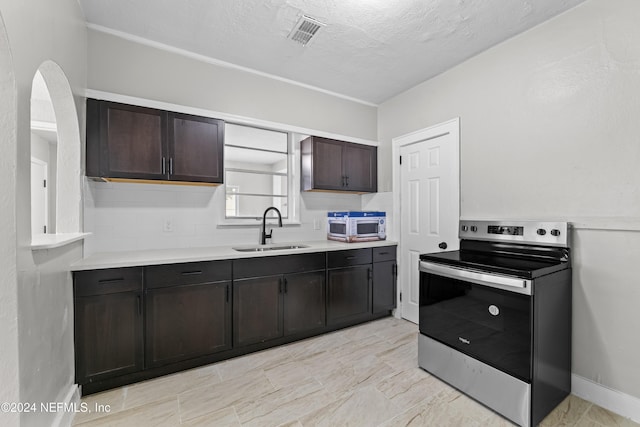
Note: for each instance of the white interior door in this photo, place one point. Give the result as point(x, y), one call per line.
point(39, 197)
point(429, 203)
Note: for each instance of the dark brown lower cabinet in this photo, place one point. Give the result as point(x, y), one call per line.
point(385, 272)
point(108, 335)
point(384, 286)
point(184, 315)
point(266, 308)
point(257, 309)
point(349, 295)
point(304, 302)
point(187, 321)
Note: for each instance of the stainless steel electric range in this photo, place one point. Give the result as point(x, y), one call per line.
point(495, 316)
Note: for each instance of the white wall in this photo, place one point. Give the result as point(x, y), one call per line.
point(40, 148)
point(10, 390)
point(37, 357)
point(124, 67)
point(549, 125)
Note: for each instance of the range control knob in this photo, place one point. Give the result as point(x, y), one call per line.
point(555, 232)
point(465, 228)
point(541, 231)
point(474, 228)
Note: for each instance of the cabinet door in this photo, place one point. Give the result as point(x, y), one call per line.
point(384, 286)
point(327, 164)
point(131, 141)
point(349, 297)
point(304, 302)
point(183, 322)
point(108, 335)
point(360, 167)
point(196, 147)
point(257, 310)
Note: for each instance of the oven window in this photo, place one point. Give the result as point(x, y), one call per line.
point(337, 228)
point(491, 325)
point(367, 228)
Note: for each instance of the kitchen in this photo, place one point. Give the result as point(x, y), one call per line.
point(548, 130)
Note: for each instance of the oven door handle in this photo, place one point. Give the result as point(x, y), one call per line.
point(522, 286)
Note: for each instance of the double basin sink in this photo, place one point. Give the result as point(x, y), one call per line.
point(265, 248)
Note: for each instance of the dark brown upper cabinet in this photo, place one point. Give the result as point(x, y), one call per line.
point(126, 142)
point(332, 165)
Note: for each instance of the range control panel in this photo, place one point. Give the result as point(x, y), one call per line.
point(530, 232)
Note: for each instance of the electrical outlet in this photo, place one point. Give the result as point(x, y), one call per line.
point(316, 224)
point(167, 226)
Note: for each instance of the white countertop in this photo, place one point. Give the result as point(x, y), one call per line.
point(171, 256)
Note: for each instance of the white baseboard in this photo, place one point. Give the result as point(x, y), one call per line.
point(615, 401)
point(71, 400)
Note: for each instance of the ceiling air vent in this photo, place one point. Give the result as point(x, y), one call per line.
point(305, 29)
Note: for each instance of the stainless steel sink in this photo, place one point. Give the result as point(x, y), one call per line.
point(264, 248)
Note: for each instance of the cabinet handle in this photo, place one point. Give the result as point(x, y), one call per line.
point(286, 285)
point(164, 165)
point(395, 270)
point(350, 257)
point(227, 293)
point(139, 305)
point(191, 273)
point(344, 181)
point(170, 165)
point(347, 180)
point(383, 253)
point(105, 281)
point(369, 274)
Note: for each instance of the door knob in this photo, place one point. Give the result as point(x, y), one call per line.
point(442, 245)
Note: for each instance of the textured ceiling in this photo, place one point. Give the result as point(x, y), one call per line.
point(369, 50)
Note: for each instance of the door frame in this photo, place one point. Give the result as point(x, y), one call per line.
point(451, 127)
point(46, 212)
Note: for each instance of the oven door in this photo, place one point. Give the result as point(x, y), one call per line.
point(484, 316)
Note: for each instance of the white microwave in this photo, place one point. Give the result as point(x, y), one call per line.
point(356, 226)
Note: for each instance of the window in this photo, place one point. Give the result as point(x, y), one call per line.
point(231, 201)
point(257, 172)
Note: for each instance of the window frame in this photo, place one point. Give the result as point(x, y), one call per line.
point(293, 180)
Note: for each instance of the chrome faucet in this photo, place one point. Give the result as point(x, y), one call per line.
point(264, 235)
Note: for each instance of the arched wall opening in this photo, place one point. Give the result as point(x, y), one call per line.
point(44, 158)
point(68, 172)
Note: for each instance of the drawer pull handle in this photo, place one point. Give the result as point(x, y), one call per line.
point(383, 253)
point(350, 257)
point(105, 281)
point(191, 273)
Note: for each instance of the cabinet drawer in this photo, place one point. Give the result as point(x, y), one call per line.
point(188, 273)
point(386, 253)
point(107, 281)
point(337, 259)
point(272, 265)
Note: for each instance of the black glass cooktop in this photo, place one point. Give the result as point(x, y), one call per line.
point(519, 261)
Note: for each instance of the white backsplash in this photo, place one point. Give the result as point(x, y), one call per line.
point(125, 216)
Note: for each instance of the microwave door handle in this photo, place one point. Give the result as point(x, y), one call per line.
point(513, 284)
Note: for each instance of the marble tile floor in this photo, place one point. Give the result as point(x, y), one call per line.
point(365, 375)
